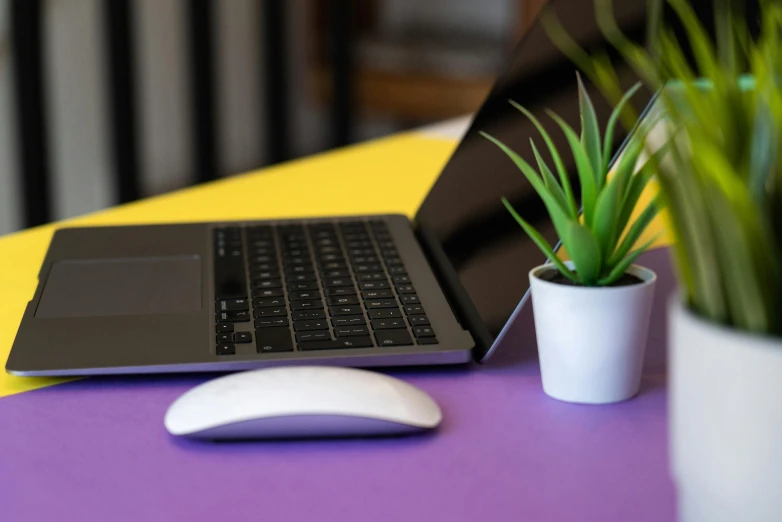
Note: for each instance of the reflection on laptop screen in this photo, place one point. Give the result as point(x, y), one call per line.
point(488, 250)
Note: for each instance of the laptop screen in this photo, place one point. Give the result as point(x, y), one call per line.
point(463, 212)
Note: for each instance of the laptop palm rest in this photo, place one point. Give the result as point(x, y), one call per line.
point(122, 287)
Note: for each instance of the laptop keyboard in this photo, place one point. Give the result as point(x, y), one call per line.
point(316, 286)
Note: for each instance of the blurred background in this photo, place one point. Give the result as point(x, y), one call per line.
point(107, 101)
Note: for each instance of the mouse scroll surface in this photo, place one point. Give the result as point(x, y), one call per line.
point(302, 401)
point(122, 286)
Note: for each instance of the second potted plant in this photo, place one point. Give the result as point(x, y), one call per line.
point(592, 312)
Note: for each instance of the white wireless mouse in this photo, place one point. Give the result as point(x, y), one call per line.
point(301, 401)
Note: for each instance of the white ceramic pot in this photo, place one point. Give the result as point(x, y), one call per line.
point(591, 340)
point(726, 421)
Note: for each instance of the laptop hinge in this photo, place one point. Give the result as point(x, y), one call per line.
point(460, 302)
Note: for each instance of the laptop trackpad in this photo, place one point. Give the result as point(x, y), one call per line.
point(124, 286)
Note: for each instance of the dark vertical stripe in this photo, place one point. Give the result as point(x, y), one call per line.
point(275, 78)
point(29, 87)
point(118, 23)
point(342, 27)
point(202, 88)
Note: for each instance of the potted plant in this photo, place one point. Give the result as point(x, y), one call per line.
point(723, 187)
point(592, 312)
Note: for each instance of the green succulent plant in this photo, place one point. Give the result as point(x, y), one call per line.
point(601, 237)
point(723, 187)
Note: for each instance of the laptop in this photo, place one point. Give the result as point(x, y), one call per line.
point(381, 290)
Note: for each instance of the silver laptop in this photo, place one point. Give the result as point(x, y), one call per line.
point(380, 290)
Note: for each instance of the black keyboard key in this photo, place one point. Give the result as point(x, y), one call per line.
point(261, 243)
point(344, 342)
point(243, 337)
point(294, 287)
point(265, 274)
point(314, 335)
point(358, 244)
point(328, 258)
point(393, 338)
point(312, 304)
point(262, 267)
point(377, 294)
point(232, 305)
point(226, 349)
point(333, 265)
point(372, 277)
point(301, 278)
point(267, 283)
point(384, 313)
point(397, 270)
point(410, 299)
point(233, 317)
point(351, 331)
point(315, 324)
point(327, 250)
point(224, 327)
point(374, 285)
point(267, 292)
point(367, 268)
point(271, 322)
point(393, 261)
point(355, 320)
point(414, 309)
point(225, 338)
point(405, 289)
point(268, 301)
point(308, 314)
point(262, 259)
point(423, 331)
point(341, 290)
point(296, 252)
point(262, 251)
point(271, 311)
point(345, 310)
point(338, 300)
point(272, 340)
point(418, 320)
point(365, 260)
point(306, 294)
point(428, 340)
point(389, 253)
point(292, 270)
point(340, 281)
point(296, 260)
point(336, 273)
point(380, 303)
point(229, 277)
point(358, 252)
point(385, 324)
point(400, 279)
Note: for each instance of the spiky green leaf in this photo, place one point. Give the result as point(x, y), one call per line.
point(586, 175)
point(556, 158)
point(559, 216)
point(590, 134)
point(584, 251)
point(541, 242)
point(625, 263)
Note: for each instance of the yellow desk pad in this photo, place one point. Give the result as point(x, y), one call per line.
point(390, 175)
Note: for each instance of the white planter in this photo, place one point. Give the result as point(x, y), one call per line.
point(591, 340)
point(726, 421)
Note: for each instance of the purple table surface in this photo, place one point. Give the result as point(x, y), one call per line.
point(96, 450)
